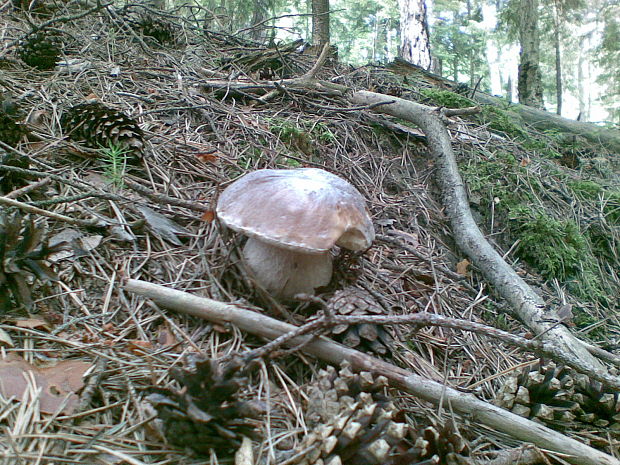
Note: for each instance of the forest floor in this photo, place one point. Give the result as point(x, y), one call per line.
point(551, 206)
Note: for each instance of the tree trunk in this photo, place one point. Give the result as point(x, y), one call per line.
point(558, 58)
point(320, 22)
point(258, 33)
point(509, 89)
point(415, 40)
point(581, 81)
point(530, 80)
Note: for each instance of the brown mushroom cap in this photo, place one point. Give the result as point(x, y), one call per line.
point(305, 209)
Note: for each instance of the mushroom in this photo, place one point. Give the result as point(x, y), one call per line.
point(292, 219)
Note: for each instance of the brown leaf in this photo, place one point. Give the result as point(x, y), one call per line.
point(462, 267)
point(139, 347)
point(165, 337)
point(525, 161)
point(424, 278)
point(208, 216)
point(32, 323)
point(58, 383)
point(207, 157)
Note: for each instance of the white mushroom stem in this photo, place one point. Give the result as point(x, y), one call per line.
point(284, 272)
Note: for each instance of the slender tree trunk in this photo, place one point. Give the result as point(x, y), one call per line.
point(455, 66)
point(581, 80)
point(320, 22)
point(415, 38)
point(509, 89)
point(472, 70)
point(260, 14)
point(558, 57)
point(530, 80)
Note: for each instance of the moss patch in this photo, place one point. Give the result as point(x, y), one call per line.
point(554, 247)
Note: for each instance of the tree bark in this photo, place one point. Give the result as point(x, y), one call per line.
point(530, 79)
point(320, 22)
point(415, 39)
point(558, 57)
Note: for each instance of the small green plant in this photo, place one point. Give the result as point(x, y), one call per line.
point(115, 159)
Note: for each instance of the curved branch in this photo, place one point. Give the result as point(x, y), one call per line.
point(527, 305)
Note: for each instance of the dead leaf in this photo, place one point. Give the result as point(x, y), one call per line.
point(165, 337)
point(32, 323)
point(5, 339)
point(208, 216)
point(385, 222)
point(565, 312)
point(524, 162)
point(207, 157)
point(75, 245)
point(109, 327)
point(462, 267)
point(424, 278)
point(163, 226)
point(139, 347)
point(407, 237)
point(58, 383)
point(38, 119)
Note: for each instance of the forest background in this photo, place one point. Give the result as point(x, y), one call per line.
point(474, 42)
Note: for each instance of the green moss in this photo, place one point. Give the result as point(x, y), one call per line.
point(445, 98)
point(585, 189)
point(554, 247)
point(497, 179)
point(500, 121)
point(287, 131)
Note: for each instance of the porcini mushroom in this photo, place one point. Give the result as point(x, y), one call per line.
point(292, 219)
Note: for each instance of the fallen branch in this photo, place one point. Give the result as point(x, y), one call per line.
point(325, 349)
point(55, 216)
point(527, 305)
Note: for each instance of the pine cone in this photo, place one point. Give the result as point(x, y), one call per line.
point(355, 423)
point(101, 126)
point(542, 392)
point(10, 132)
point(160, 30)
point(10, 181)
point(563, 400)
point(207, 413)
point(598, 405)
point(23, 249)
point(41, 49)
point(438, 445)
point(354, 301)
